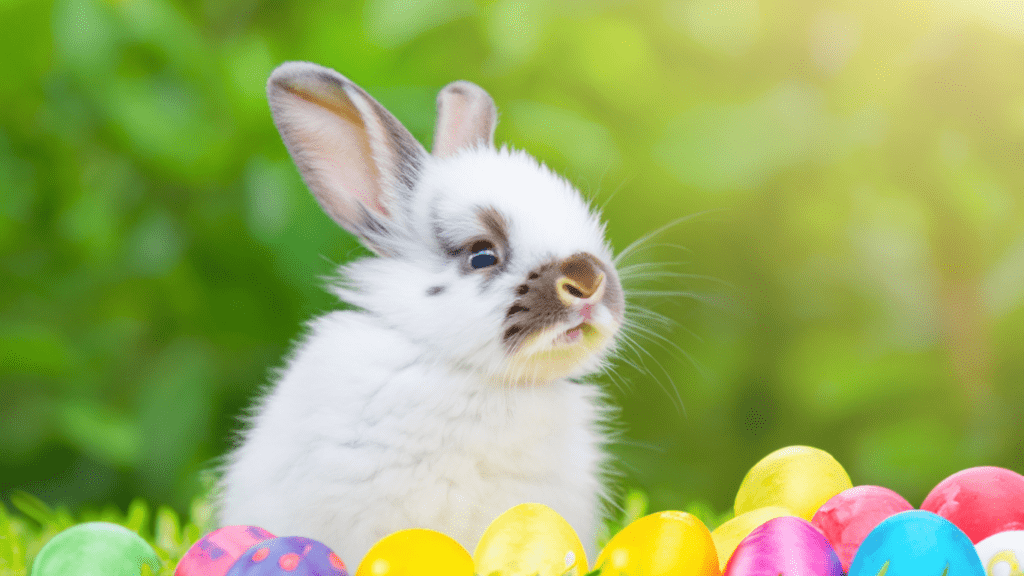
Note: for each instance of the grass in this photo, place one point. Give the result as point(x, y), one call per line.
point(32, 523)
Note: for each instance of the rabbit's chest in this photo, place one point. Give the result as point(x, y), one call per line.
point(460, 463)
point(494, 436)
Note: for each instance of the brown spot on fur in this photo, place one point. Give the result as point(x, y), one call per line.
point(539, 295)
point(540, 299)
point(497, 228)
point(495, 235)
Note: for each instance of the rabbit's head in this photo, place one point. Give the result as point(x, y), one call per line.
point(487, 259)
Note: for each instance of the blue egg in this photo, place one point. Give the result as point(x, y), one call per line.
point(916, 542)
point(288, 556)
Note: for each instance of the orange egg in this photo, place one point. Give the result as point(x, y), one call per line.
point(661, 544)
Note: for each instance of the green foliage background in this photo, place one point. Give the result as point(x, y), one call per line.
point(852, 279)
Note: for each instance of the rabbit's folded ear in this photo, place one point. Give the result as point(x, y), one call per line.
point(356, 158)
point(465, 117)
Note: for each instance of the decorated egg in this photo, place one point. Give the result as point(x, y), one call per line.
point(799, 478)
point(848, 517)
point(1002, 554)
point(416, 552)
point(916, 542)
point(729, 534)
point(980, 501)
point(785, 545)
point(213, 554)
point(95, 549)
point(291, 556)
point(660, 544)
point(530, 540)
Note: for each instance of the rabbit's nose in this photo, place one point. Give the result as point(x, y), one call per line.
point(581, 278)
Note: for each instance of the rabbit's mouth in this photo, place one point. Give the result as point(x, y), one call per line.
point(578, 340)
point(557, 351)
point(573, 335)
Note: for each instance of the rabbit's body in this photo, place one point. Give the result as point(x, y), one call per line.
point(351, 445)
point(452, 393)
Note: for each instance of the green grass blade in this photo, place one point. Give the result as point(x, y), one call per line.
point(33, 508)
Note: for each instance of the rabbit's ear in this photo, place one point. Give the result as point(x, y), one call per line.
point(356, 158)
point(465, 117)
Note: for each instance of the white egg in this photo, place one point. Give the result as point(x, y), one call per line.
point(1002, 554)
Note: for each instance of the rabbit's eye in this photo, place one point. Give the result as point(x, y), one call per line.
point(482, 255)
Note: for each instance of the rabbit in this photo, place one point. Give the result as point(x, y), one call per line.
point(453, 389)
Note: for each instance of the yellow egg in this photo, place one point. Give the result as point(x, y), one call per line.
point(728, 535)
point(530, 540)
point(661, 544)
point(799, 478)
point(416, 552)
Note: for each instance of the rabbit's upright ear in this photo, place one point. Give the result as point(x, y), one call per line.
point(465, 117)
point(356, 158)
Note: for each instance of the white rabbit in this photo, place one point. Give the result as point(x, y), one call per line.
point(451, 394)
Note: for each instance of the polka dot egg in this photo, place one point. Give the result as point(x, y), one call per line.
point(289, 556)
point(214, 553)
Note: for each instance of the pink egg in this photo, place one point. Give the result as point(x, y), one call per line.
point(848, 517)
point(786, 545)
point(213, 554)
point(980, 501)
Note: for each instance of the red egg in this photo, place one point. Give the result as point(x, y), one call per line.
point(980, 501)
point(848, 517)
point(213, 554)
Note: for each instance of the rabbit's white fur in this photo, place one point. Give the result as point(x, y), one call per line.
point(409, 411)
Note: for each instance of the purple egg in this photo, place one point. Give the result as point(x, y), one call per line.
point(787, 546)
point(213, 554)
point(289, 556)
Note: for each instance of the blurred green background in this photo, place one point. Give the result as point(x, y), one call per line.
point(852, 278)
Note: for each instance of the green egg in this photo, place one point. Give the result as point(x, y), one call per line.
point(95, 549)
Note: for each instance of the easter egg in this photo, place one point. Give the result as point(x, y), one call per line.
point(1002, 554)
point(288, 556)
point(530, 540)
point(661, 544)
point(213, 554)
point(785, 545)
point(799, 478)
point(848, 517)
point(95, 549)
point(916, 542)
point(729, 534)
point(980, 501)
point(416, 552)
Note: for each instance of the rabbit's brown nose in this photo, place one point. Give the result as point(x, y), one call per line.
point(581, 277)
